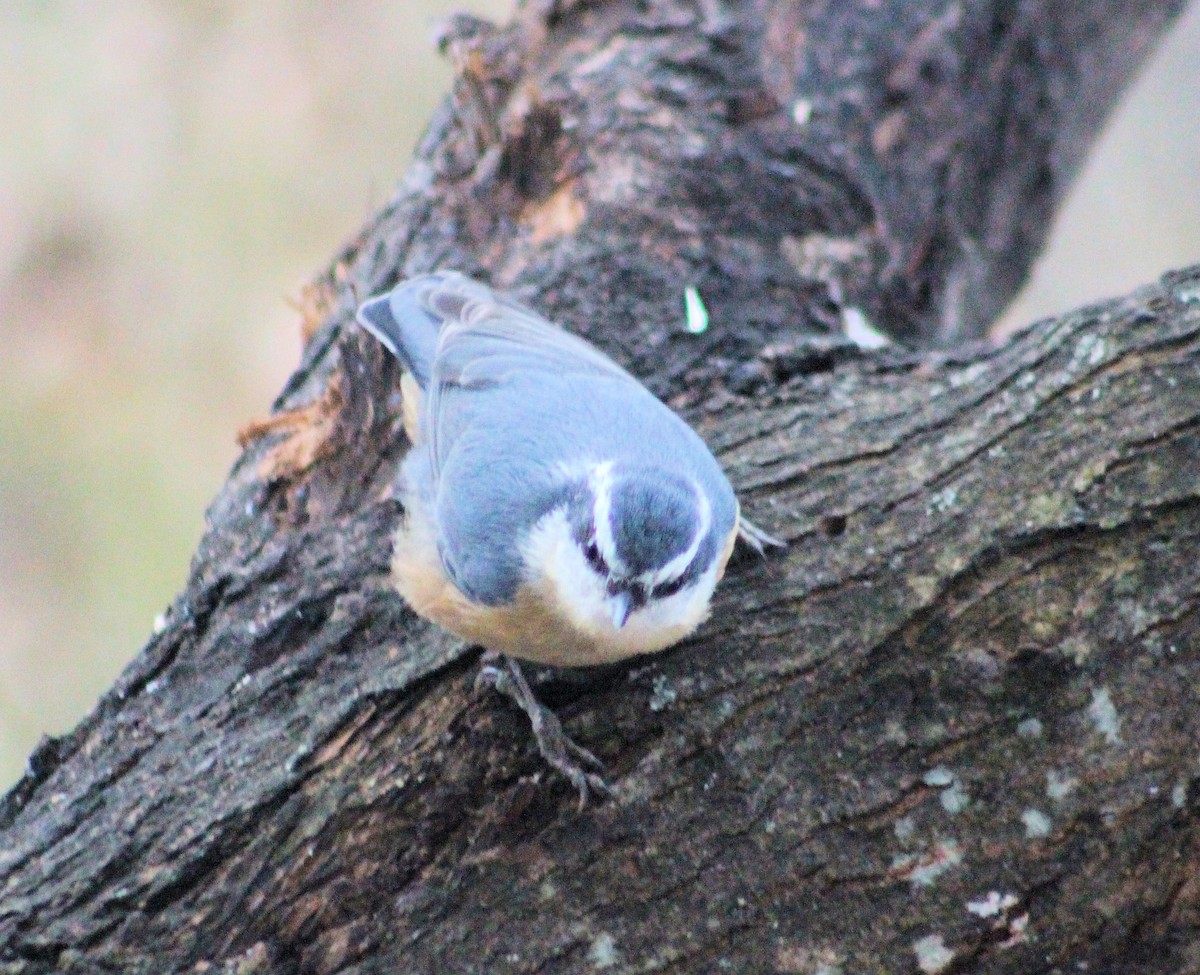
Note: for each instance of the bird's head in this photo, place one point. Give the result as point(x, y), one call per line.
point(632, 555)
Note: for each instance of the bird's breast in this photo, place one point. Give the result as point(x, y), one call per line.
point(530, 627)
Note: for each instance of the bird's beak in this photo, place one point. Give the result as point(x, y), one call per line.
point(621, 604)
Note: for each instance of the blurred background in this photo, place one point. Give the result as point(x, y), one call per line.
point(171, 173)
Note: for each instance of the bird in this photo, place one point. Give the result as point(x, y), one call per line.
point(554, 510)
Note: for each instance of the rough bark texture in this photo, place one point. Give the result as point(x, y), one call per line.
point(952, 728)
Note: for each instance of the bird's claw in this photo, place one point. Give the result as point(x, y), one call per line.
point(556, 746)
point(757, 538)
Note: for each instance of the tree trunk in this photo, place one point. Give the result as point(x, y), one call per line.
point(953, 728)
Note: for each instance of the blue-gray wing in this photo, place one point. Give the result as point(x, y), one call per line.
point(486, 340)
point(471, 333)
point(486, 335)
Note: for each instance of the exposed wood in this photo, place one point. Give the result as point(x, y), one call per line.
point(953, 728)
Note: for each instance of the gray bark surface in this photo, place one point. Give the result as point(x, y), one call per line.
point(953, 728)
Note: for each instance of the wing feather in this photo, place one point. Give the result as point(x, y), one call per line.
point(485, 335)
point(486, 338)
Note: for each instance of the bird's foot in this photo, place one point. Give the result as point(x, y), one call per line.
point(756, 537)
point(561, 753)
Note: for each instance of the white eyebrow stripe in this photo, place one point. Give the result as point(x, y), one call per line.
point(601, 478)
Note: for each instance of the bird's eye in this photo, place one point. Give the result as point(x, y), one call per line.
point(591, 552)
point(665, 589)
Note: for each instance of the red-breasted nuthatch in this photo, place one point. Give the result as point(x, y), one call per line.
point(555, 510)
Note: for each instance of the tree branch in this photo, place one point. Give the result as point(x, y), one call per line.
point(952, 728)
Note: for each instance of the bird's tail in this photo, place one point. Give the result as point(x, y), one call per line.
point(406, 324)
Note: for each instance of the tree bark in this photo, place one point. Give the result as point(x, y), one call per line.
point(953, 728)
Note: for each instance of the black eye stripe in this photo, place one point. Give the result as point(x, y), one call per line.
point(664, 589)
point(591, 552)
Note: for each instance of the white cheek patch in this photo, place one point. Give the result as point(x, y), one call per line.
point(557, 567)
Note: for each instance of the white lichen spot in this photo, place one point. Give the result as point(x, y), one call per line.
point(1179, 794)
point(160, 623)
point(802, 109)
point(1059, 785)
point(547, 891)
point(938, 777)
point(993, 904)
point(925, 868)
point(1103, 713)
point(904, 828)
point(969, 376)
point(1017, 929)
point(603, 952)
point(695, 314)
point(1187, 292)
point(1037, 824)
point(664, 694)
point(955, 799)
point(1099, 350)
point(1091, 349)
point(860, 331)
point(1030, 728)
point(932, 954)
point(942, 500)
point(924, 587)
